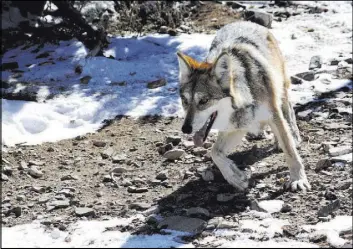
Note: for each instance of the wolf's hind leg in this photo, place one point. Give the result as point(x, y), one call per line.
point(280, 128)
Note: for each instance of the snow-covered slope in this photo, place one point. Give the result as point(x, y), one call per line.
point(118, 86)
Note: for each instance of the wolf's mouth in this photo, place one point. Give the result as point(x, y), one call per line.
point(201, 135)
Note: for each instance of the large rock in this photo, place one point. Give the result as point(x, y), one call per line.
point(258, 17)
point(183, 224)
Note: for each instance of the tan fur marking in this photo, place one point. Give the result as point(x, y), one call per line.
point(277, 58)
point(194, 64)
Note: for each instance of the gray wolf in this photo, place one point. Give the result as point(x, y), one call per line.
point(240, 87)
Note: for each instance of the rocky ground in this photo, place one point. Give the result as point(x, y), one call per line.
point(147, 166)
point(124, 169)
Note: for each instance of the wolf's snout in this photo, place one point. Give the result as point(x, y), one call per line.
point(187, 129)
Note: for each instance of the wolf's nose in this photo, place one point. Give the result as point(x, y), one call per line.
point(186, 129)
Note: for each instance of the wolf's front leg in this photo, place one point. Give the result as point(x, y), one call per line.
point(224, 145)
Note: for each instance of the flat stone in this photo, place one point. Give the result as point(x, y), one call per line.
point(80, 212)
point(337, 126)
point(36, 163)
point(38, 189)
point(119, 170)
point(304, 115)
point(34, 172)
point(85, 79)
point(174, 154)
point(58, 204)
point(99, 143)
point(151, 210)
point(132, 189)
point(139, 206)
point(188, 144)
point(44, 199)
point(339, 151)
point(271, 206)
point(69, 177)
point(183, 224)
point(343, 158)
point(156, 83)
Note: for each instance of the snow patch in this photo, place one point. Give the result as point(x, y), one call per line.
point(85, 234)
point(332, 229)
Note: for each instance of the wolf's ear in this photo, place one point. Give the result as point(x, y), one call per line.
point(184, 67)
point(221, 66)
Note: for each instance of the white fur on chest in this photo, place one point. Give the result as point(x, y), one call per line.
point(262, 115)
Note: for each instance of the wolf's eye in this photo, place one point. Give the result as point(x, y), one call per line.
point(203, 101)
point(184, 100)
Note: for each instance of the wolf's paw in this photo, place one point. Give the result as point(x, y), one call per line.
point(294, 185)
point(236, 182)
point(236, 177)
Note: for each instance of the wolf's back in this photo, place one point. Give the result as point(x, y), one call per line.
point(239, 32)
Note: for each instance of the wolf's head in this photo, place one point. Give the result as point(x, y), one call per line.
point(204, 91)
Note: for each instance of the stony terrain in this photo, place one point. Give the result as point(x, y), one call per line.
point(120, 171)
point(147, 166)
